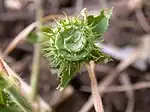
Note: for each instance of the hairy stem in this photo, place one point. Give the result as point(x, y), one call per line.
point(1, 98)
point(18, 99)
point(8, 86)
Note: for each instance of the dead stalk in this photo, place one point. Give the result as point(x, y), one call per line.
point(94, 86)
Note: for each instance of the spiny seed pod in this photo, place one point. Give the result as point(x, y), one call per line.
point(72, 43)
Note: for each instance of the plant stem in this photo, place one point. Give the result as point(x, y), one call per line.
point(1, 98)
point(24, 88)
point(36, 55)
point(8, 86)
point(79, 5)
point(35, 71)
point(18, 99)
point(94, 87)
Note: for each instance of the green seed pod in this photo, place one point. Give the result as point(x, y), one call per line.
point(72, 43)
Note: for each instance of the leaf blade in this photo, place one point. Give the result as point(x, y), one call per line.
point(100, 23)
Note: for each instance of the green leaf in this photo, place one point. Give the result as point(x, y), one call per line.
point(46, 29)
point(67, 74)
point(64, 80)
point(32, 38)
point(100, 23)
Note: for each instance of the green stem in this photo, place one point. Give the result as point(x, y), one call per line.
point(35, 71)
point(36, 56)
point(8, 85)
point(1, 98)
point(18, 99)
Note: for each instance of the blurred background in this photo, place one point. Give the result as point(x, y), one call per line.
point(128, 33)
